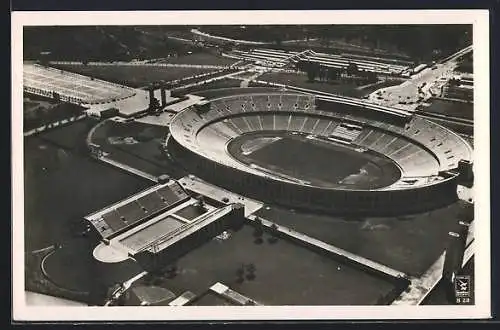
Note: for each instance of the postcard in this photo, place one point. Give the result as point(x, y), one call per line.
point(250, 165)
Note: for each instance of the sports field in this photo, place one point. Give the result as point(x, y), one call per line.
point(135, 76)
point(320, 163)
point(137, 145)
point(285, 273)
point(73, 267)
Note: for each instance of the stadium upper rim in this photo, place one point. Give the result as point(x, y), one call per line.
point(426, 153)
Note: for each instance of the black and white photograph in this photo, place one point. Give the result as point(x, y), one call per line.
point(250, 165)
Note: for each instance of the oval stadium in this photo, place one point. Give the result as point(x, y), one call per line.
point(342, 155)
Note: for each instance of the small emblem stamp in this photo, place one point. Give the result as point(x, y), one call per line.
point(463, 289)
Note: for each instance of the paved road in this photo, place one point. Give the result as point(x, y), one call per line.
point(427, 80)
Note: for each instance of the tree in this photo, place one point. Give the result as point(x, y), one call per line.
point(240, 274)
point(352, 68)
point(171, 271)
point(155, 104)
point(371, 76)
point(312, 71)
point(251, 272)
point(200, 204)
point(454, 82)
point(259, 231)
point(251, 268)
point(274, 232)
point(333, 74)
point(302, 65)
point(56, 96)
point(322, 73)
point(259, 240)
point(240, 271)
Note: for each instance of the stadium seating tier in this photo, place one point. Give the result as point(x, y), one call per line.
point(421, 149)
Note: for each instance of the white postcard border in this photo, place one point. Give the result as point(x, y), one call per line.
point(480, 21)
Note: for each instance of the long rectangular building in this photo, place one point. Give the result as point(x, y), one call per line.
point(71, 87)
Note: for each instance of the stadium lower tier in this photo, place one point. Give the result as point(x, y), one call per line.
point(343, 158)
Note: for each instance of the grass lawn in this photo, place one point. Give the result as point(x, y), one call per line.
point(134, 76)
point(300, 80)
point(61, 185)
point(73, 267)
point(285, 273)
point(409, 244)
point(451, 108)
point(145, 155)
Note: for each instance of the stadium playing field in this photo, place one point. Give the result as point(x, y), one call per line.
point(318, 162)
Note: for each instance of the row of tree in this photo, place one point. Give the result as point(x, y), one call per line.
point(259, 232)
point(100, 43)
point(330, 74)
point(419, 42)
